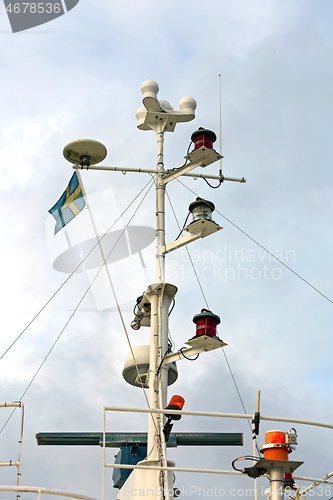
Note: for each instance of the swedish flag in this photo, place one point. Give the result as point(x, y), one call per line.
point(70, 203)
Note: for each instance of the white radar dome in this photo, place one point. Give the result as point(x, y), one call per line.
point(141, 354)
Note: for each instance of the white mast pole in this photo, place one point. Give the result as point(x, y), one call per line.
point(159, 116)
point(277, 483)
point(159, 315)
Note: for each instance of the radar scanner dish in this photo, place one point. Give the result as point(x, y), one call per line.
point(85, 152)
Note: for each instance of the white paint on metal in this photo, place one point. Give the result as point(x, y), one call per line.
point(217, 414)
point(196, 230)
point(124, 170)
point(47, 491)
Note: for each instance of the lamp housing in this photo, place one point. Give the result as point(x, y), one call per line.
point(203, 137)
point(206, 323)
point(176, 403)
point(201, 209)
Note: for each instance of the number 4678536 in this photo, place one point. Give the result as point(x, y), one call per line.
point(33, 8)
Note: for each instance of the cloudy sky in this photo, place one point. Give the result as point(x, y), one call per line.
point(79, 76)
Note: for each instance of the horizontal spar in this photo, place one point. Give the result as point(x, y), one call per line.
point(175, 469)
point(124, 170)
point(120, 439)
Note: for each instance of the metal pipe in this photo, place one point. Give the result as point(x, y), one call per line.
point(315, 483)
point(217, 414)
point(103, 480)
point(161, 303)
point(152, 420)
point(159, 320)
point(206, 471)
point(11, 405)
point(174, 469)
point(179, 355)
point(254, 441)
point(18, 482)
point(124, 170)
point(313, 480)
point(277, 483)
point(48, 491)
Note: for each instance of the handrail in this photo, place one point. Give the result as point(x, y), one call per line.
point(47, 491)
point(198, 414)
point(207, 471)
point(10, 463)
point(217, 414)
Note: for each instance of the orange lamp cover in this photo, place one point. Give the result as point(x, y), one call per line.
point(177, 401)
point(275, 446)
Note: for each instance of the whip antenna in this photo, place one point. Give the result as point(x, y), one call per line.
point(220, 106)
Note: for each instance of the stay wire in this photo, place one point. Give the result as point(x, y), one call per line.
point(73, 272)
point(118, 306)
point(116, 299)
point(265, 249)
point(75, 310)
point(48, 354)
point(203, 294)
point(188, 252)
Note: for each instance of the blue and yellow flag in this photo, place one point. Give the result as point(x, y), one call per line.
point(70, 203)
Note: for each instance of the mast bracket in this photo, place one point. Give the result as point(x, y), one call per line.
point(199, 344)
point(198, 229)
point(200, 157)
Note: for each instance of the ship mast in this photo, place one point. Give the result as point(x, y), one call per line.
point(160, 117)
point(155, 472)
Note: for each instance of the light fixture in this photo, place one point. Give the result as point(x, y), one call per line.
point(276, 446)
point(201, 209)
point(206, 323)
point(203, 137)
point(176, 403)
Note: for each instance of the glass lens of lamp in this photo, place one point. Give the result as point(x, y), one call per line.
point(202, 212)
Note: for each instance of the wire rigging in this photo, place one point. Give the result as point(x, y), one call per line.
point(188, 252)
point(76, 308)
point(204, 297)
point(265, 249)
point(73, 272)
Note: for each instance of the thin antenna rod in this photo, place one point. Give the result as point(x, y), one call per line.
point(220, 106)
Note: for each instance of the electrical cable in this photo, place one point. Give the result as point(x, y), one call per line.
point(246, 457)
point(186, 161)
point(265, 249)
point(189, 359)
point(73, 272)
point(179, 235)
point(213, 187)
point(172, 307)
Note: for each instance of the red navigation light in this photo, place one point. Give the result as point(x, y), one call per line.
point(203, 137)
point(206, 323)
point(176, 403)
point(289, 481)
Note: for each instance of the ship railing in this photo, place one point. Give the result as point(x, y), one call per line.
point(48, 491)
point(204, 414)
point(11, 463)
